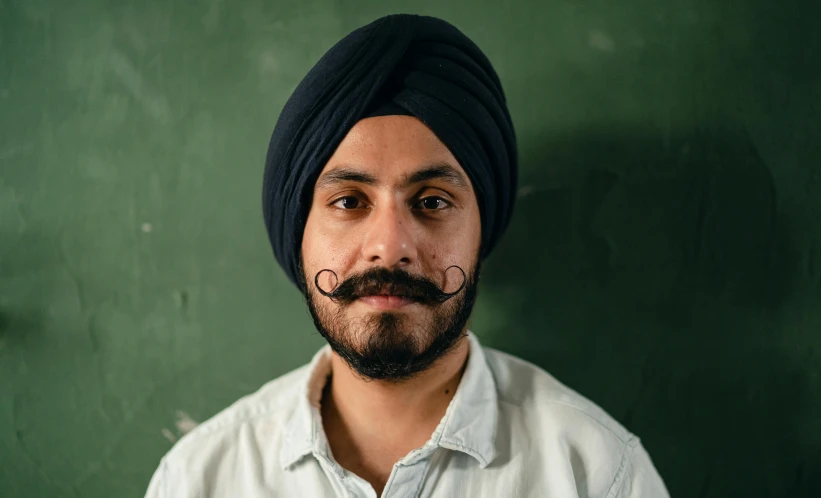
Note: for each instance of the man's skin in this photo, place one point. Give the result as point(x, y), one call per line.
point(423, 228)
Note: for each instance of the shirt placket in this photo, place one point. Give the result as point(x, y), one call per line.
point(406, 479)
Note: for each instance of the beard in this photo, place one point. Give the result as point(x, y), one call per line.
point(392, 345)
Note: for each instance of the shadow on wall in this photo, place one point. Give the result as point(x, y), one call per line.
point(18, 326)
point(649, 272)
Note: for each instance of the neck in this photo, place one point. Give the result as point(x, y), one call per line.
point(371, 424)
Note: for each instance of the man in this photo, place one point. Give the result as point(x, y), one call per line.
point(390, 175)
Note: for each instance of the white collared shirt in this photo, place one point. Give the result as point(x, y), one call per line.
point(511, 431)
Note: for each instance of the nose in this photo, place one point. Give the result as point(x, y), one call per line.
point(389, 239)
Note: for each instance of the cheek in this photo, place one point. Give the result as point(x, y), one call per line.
point(459, 245)
point(466, 237)
point(323, 248)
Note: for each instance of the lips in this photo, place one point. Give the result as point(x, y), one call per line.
point(386, 302)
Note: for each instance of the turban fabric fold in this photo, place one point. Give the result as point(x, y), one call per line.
point(399, 64)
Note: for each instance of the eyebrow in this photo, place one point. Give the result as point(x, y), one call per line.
point(443, 171)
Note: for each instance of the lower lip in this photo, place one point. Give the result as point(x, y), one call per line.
point(386, 302)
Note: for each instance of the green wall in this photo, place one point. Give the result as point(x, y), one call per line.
point(664, 258)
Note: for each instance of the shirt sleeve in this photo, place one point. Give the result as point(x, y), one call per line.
point(641, 479)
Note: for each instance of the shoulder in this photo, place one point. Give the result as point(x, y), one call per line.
point(250, 427)
point(532, 390)
point(268, 404)
point(529, 387)
point(550, 422)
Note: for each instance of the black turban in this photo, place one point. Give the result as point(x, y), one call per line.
point(399, 64)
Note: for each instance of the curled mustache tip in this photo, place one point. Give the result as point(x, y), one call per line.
point(423, 290)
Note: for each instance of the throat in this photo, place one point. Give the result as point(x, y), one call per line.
point(370, 443)
point(371, 425)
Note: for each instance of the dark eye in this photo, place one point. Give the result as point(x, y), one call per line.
point(433, 203)
point(347, 202)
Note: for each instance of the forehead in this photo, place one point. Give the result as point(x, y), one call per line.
point(391, 147)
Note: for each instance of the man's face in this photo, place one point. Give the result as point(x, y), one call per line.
point(395, 220)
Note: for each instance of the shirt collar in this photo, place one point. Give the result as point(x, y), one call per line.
point(468, 426)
